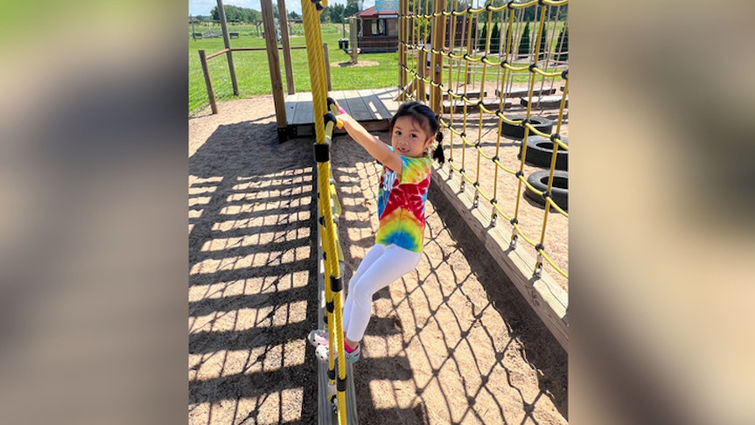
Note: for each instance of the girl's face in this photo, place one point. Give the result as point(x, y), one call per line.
point(409, 138)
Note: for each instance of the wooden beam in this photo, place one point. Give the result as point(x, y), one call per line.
point(548, 300)
point(421, 68)
point(327, 64)
point(403, 6)
point(227, 42)
point(353, 39)
point(207, 81)
point(273, 63)
point(217, 54)
point(256, 49)
point(283, 25)
point(438, 40)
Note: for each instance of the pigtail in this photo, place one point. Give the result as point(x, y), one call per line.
point(438, 154)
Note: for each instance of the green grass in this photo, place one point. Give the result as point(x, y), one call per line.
point(252, 71)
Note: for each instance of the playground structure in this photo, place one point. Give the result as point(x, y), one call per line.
point(328, 212)
point(456, 81)
point(439, 81)
point(271, 47)
point(449, 84)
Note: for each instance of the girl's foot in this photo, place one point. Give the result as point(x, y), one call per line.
point(318, 337)
point(322, 353)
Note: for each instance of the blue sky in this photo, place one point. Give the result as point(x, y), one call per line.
point(203, 7)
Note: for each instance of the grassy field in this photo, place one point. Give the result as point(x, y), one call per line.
point(253, 75)
point(252, 71)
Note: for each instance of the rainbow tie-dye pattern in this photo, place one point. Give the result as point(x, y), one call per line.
point(401, 204)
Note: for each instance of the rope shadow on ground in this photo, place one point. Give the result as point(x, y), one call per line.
point(525, 333)
point(252, 278)
point(540, 348)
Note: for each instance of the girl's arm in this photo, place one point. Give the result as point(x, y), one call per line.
point(372, 144)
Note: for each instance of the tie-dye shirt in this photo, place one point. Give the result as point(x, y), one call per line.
point(401, 204)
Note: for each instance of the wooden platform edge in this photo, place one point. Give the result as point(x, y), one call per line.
point(308, 130)
point(325, 411)
point(544, 295)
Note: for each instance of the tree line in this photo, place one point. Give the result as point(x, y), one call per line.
point(336, 13)
point(525, 41)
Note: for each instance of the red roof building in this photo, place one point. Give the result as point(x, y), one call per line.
point(377, 30)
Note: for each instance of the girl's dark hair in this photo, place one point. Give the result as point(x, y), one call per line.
point(426, 118)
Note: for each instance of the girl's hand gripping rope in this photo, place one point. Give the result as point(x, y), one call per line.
point(334, 107)
point(376, 148)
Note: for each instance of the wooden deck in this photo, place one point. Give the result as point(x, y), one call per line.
point(371, 107)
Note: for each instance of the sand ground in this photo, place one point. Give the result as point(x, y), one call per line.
point(451, 342)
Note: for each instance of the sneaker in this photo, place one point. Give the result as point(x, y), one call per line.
point(318, 337)
point(322, 353)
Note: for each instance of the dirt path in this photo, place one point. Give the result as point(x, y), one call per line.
point(252, 289)
point(451, 342)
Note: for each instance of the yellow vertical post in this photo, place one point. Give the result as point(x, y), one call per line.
point(462, 171)
point(402, 40)
point(520, 174)
point(313, 39)
point(421, 93)
point(438, 38)
point(501, 105)
point(554, 155)
point(452, 99)
point(488, 32)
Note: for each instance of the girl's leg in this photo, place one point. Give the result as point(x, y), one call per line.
point(394, 263)
point(373, 254)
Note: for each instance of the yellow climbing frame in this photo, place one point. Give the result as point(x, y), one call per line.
point(413, 36)
point(327, 200)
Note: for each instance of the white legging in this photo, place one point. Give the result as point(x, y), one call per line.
point(382, 265)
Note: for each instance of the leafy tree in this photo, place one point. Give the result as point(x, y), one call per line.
point(352, 7)
point(504, 41)
point(524, 43)
point(483, 36)
point(530, 13)
point(337, 12)
point(543, 36)
point(293, 15)
point(237, 14)
point(325, 15)
point(495, 39)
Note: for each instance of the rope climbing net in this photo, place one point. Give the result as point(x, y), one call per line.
point(459, 54)
point(329, 208)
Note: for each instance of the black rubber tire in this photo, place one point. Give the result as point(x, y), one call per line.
point(540, 151)
point(559, 191)
point(541, 123)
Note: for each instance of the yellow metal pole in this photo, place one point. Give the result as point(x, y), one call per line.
point(520, 174)
point(313, 39)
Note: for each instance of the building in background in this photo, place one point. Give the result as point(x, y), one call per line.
point(377, 28)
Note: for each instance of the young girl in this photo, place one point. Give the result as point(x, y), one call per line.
point(401, 209)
